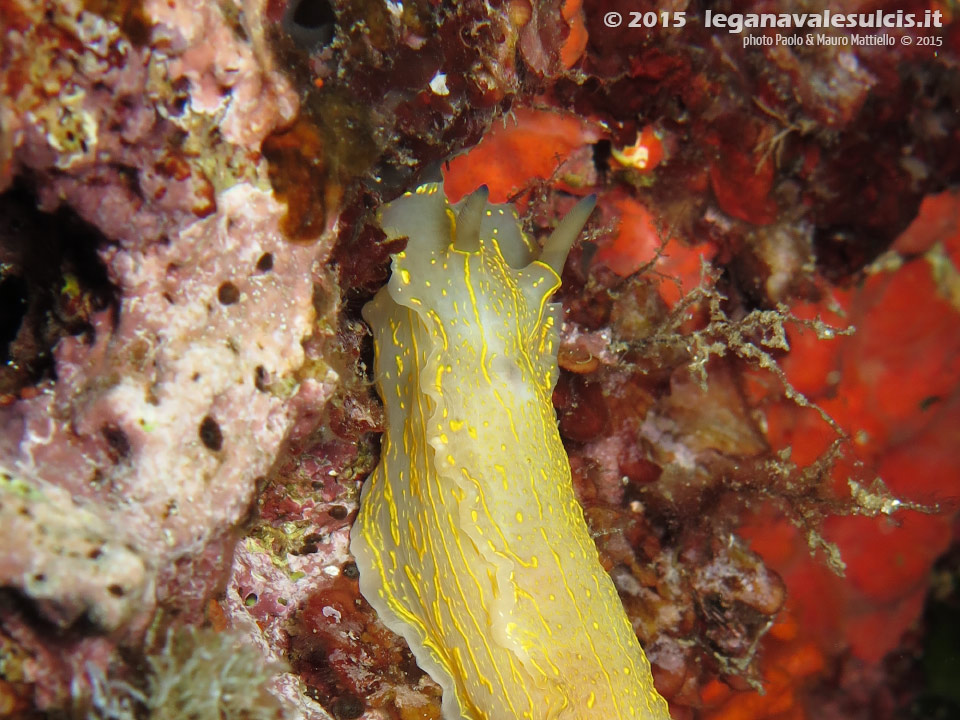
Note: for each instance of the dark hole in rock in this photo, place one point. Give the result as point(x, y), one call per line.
point(260, 378)
point(13, 300)
point(311, 23)
point(347, 707)
point(601, 156)
point(265, 263)
point(842, 250)
point(117, 440)
point(210, 434)
point(228, 293)
point(51, 283)
point(131, 178)
point(179, 104)
point(313, 14)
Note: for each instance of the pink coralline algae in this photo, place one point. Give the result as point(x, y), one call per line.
point(180, 402)
point(127, 468)
point(75, 564)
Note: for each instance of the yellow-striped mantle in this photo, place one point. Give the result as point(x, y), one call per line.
point(470, 542)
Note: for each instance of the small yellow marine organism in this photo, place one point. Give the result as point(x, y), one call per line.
point(470, 542)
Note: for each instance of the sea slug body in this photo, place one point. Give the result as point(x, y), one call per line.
point(470, 542)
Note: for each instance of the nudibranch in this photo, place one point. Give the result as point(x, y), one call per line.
point(469, 540)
